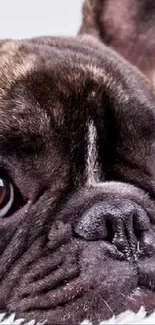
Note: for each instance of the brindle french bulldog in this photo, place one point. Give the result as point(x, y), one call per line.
point(77, 168)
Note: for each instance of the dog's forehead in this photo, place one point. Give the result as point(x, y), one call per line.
point(14, 63)
point(44, 92)
point(60, 85)
point(39, 82)
point(19, 58)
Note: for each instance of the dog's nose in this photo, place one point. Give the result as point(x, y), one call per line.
point(123, 223)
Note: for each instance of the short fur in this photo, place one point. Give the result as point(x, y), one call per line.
point(71, 249)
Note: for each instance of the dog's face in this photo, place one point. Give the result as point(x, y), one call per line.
point(77, 149)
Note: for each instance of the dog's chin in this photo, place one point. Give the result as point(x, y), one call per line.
point(83, 281)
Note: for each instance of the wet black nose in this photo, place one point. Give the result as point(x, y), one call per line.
point(123, 223)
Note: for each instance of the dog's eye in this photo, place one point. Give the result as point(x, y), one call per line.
point(6, 197)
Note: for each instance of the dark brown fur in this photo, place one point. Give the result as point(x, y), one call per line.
point(71, 251)
point(126, 26)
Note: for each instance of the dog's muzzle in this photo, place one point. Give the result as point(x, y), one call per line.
point(123, 222)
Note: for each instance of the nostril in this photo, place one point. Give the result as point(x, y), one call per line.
point(110, 231)
point(91, 225)
point(101, 221)
point(146, 240)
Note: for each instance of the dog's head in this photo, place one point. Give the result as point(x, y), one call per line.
point(77, 186)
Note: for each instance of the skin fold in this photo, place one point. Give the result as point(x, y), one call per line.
point(77, 141)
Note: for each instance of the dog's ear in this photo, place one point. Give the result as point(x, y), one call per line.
point(128, 26)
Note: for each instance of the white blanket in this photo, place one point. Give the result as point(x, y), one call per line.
point(127, 317)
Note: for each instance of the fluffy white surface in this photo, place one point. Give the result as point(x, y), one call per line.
point(11, 320)
point(127, 317)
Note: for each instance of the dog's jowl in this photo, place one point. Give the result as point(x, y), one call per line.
point(77, 170)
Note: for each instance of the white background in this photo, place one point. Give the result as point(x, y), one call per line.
point(26, 18)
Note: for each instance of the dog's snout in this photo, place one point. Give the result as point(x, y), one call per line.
point(123, 223)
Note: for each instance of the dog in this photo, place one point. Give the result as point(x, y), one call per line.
point(77, 168)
